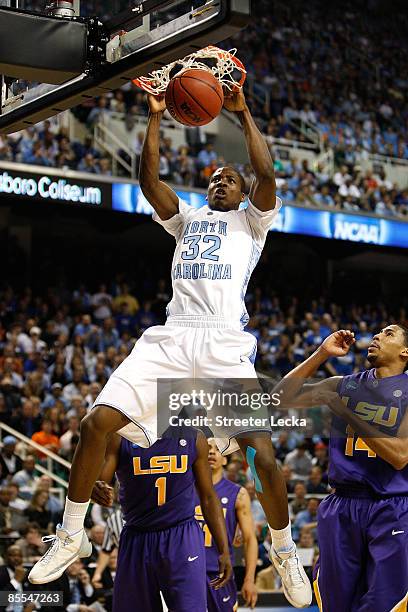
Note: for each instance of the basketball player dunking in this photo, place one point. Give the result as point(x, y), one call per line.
point(217, 248)
point(363, 526)
point(236, 506)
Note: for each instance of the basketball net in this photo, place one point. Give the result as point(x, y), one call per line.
point(227, 68)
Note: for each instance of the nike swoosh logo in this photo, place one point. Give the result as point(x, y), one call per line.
point(193, 558)
point(225, 599)
point(397, 532)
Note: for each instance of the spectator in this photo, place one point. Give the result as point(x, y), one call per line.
point(37, 345)
point(29, 421)
point(55, 396)
point(88, 164)
point(100, 113)
point(96, 536)
point(108, 577)
point(46, 438)
point(288, 476)
point(10, 463)
point(308, 551)
point(109, 336)
point(68, 454)
point(12, 574)
point(300, 461)
point(15, 500)
point(73, 429)
point(26, 478)
point(36, 511)
point(124, 296)
point(321, 458)
point(314, 484)
point(125, 322)
point(207, 156)
point(104, 167)
point(54, 505)
point(9, 367)
point(299, 502)
point(73, 388)
point(306, 518)
point(31, 545)
point(145, 317)
point(267, 580)
point(101, 304)
point(256, 508)
point(282, 447)
point(82, 595)
point(11, 519)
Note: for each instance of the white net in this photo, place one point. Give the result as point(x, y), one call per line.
point(224, 65)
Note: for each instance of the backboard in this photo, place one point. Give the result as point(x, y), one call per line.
point(140, 36)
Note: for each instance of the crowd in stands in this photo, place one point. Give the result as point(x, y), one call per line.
point(339, 66)
point(57, 350)
point(49, 145)
point(350, 188)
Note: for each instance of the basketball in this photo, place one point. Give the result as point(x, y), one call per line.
point(194, 97)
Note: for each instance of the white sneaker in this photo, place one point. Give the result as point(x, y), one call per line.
point(296, 585)
point(64, 550)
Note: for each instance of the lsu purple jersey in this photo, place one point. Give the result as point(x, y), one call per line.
point(381, 402)
point(227, 492)
point(157, 486)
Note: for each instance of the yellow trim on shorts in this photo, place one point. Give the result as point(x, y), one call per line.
point(317, 592)
point(402, 606)
point(235, 608)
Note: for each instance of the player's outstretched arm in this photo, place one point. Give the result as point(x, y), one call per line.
point(263, 189)
point(163, 199)
point(293, 390)
point(212, 511)
point(102, 493)
point(247, 527)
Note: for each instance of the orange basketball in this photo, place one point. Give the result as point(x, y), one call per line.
point(194, 97)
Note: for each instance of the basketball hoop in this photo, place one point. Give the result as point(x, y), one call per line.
point(228, 69)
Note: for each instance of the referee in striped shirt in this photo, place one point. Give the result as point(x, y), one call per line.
point(103, 495)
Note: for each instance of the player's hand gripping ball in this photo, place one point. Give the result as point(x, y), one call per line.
point(194, 97)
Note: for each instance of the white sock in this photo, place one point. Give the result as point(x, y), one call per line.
point(74, 516)
point(282, 540)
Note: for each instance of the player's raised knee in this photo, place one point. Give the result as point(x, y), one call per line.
point(102, 420)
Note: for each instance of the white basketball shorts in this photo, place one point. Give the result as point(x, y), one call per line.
point(186, 347)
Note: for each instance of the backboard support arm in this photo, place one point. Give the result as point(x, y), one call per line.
point(219, 19)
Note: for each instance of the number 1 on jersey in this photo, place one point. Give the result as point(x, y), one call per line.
point(160, 485)
point(207, 535)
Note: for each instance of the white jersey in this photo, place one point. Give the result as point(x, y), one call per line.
point(215, 255)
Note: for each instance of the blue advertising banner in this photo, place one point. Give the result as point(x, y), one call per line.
point(290, 220)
